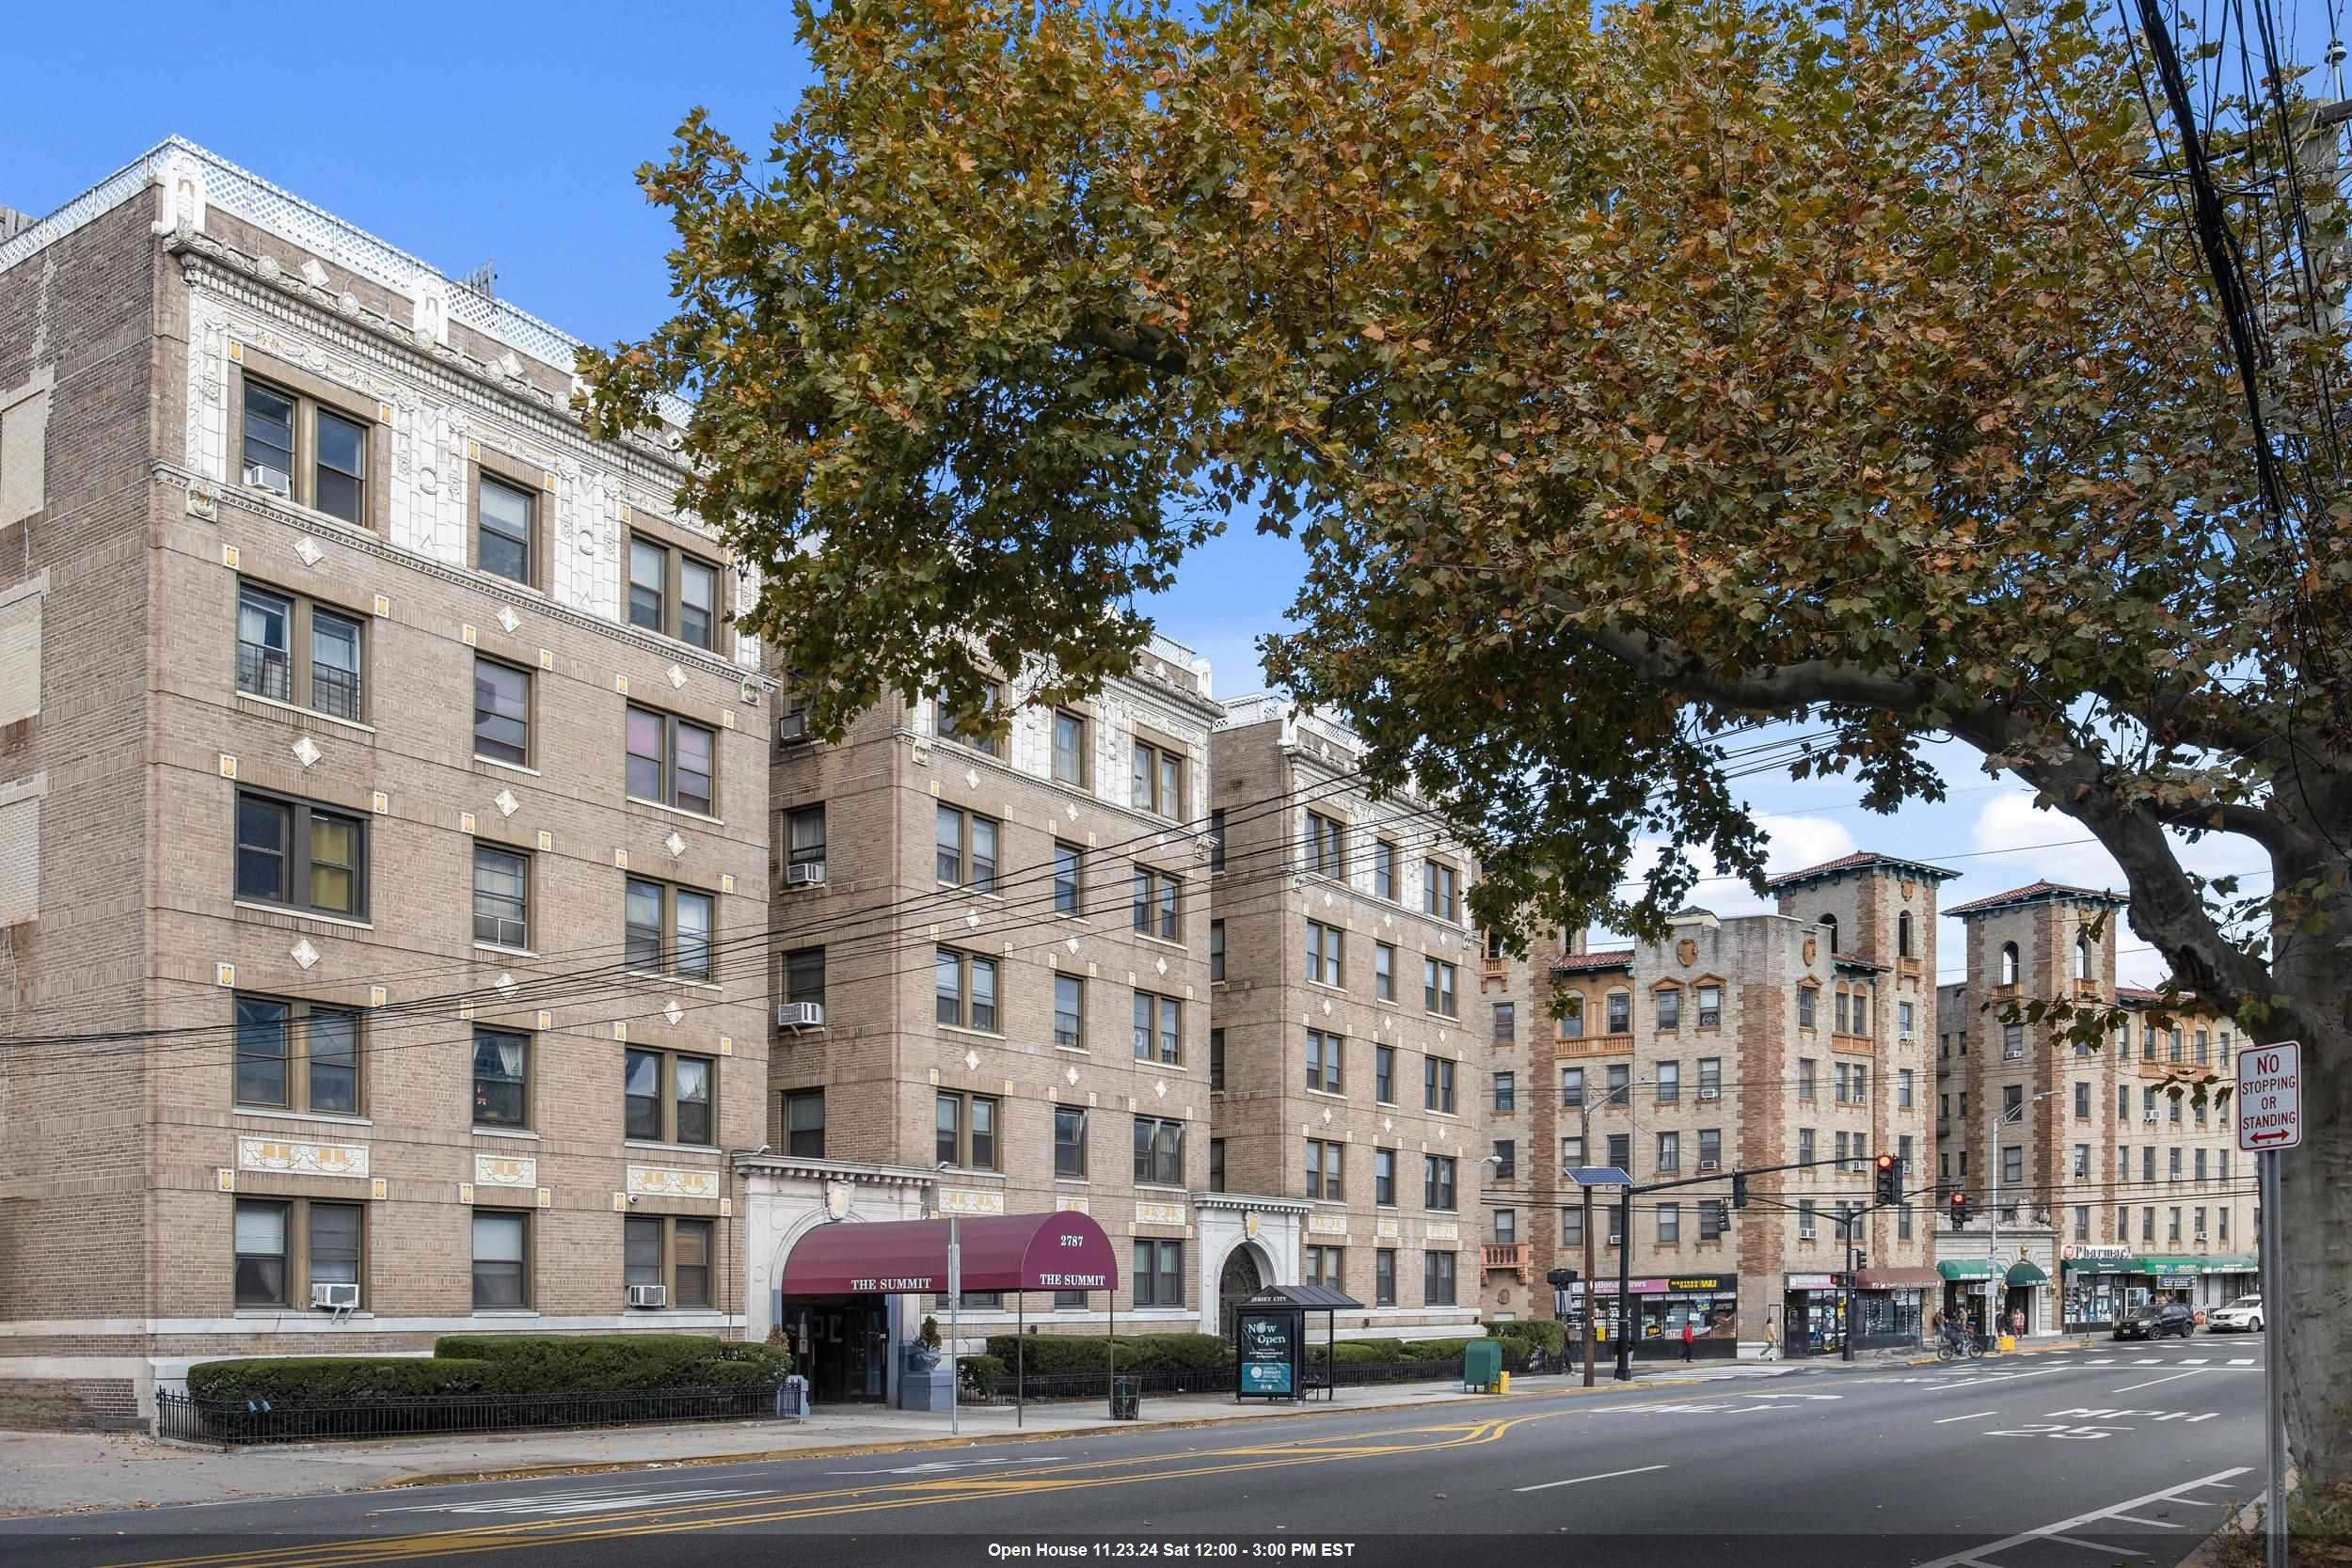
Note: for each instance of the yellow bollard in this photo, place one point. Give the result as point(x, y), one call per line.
point(1502, 1383)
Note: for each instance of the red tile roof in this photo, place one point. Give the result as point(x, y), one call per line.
point(2036, 891)
point(1861, 859)
point(1613, 957)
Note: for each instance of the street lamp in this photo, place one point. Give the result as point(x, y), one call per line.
point(1624, 1237)
point(955, 1310)
point(1992, 1243)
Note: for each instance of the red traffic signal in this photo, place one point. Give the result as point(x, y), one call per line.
point(1890, 1179)
point(1960, 1209)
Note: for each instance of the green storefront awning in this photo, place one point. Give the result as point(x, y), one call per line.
point(1966, 1268)
point(2026, 1272)
point(2164, 1263)
point(2230, 1262)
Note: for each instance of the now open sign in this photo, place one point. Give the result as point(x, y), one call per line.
point(2270, 1096)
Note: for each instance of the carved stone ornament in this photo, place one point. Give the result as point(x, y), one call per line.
point(1688, 951)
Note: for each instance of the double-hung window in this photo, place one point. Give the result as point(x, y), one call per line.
point(1323, 1050)
point(1069, 1011)
point(1439, 884)
point(1437, 985)
point(1070, 747)
point(670, 1251)
point(965, 991)
point(967, 729)
point(502, 715)
point(1437, 1278)
point(502, 896)
point(297, 1056)
point(1159, 1151)
point(506, 524)
point(501, 1078)
point(283, 1246)
point(804, 839)
point(1384, 971)
point(1159, 1274)
point(966, 849)
point(667, 928)
point(306, 452)
point(671, 762)
point(1216, 950)
point(804, 1123)
point(309, 859)
point(1436, 1183)
point(1436, 1084)
point(293, 649)
point(1384, 1178)
point(966, 1131)
point(1325, 954)
point(1384, 1074)
point(672, 593)
point(1157, 782)
point(501, 1260)
point(1324, 1169)
point(667, 1097)
point(1327, 846)
point(1384, 870)
point(1158, 904)
point(805, 975)
point(1159, 1029)
point(1070, 1142)
point(1068, 884)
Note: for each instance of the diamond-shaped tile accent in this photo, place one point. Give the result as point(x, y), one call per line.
point(1327, 1116)
point(506, 804)
point(972, 917)
point(972, 1060)
point(313, 274)
point(972, 778)
point(673, 1011)
point(673, 844)
point(507, 617)
point(506, 982)
point(1071, 942)
point(306, 750)
point(678, 676)
point(310, 552)
point(1327, 1007)
point(1070, 812)
point(1160, 1088)
point(303, 952)
point(1326, 898)
point(1161, 967)
point(1387, 1124)
point(1069, 1076)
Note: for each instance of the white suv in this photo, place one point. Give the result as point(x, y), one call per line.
point(2242, 1316)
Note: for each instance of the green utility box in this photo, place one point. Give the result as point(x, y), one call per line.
point(1482, 1364)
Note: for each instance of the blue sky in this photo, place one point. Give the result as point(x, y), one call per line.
point(506, 133)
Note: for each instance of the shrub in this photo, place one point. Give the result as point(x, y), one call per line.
point(282, 1379)
point(1369, 1350)
point(547, 1363)
point(1545, 1334)
point(1435, 1350)
point(1048, 1353)
point(980, 1373)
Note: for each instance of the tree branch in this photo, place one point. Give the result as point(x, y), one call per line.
point(2274, 833)
point(1153, 347)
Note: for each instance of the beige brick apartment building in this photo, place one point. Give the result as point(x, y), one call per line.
point(1351, 1083)
point(1735, 1043)
point(2118, 1181)
point(994, 957)
point(383, 814)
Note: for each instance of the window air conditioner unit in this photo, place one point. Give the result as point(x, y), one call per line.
point(1705, 1093)
point(808, 874)
point(791, 729)
point(800, 1015)
point(1710, 1165)
point(1902, 1035)
point(649, 1295)
point(337, 1298)
point(262, 477)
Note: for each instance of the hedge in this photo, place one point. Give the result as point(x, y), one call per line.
point(1369, 1350)
point(1547, 1333)
point(981, 1373)
point(520, 1364)
point(1048, 1353)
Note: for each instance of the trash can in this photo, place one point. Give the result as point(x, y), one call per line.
point(1481, 1363)
point(792, 1399)
point(1126, 1398)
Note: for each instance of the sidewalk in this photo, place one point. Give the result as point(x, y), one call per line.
point(50, 1472)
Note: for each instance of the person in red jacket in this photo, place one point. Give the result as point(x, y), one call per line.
point(1687, 1338)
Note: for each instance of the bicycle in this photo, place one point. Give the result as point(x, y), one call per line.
point(1952, 1347)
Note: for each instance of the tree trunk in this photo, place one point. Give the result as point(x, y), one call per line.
point(2310, 1331)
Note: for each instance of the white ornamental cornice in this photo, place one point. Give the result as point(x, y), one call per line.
point(1246, 1201)
point(262, 503)
point(767, 1163)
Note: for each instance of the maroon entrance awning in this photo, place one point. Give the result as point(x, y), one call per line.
point(1065, 1251)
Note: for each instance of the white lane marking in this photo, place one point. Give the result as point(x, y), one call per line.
point(2241, 1361)
point(2099, 1547)
point(1579, 1480)
point(2152, 1524)
point(1974, 1556)
point(2152, 1382)
point(1975, 1415)
point(1994, 1377)
point(937, 1467)
point(2193, 1361)
point(562, 1503)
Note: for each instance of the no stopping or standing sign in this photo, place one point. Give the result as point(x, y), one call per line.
point(2270, 1096)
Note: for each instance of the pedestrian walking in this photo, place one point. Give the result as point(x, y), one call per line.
point(1687, 1338)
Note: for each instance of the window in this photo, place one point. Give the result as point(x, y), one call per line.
point(2148, 1225)
point(965, 1128)
point(1904, 1017)
point(1436, 1181)
point(2148, 1162)
point(505, 519)
point(967, 729)
point(1438, 890)
point(1571, 1086)
point(2225, 1164)
point(1384, 870)
point(297, 1056)
point(2221, 1217)
point(966, 851)
point(1804, 1145)
point(1845, 1021)
point(2012, 1042)
point(2172, 1171)
point(502, 1273)
point(2172, 1230)
point(2201, 1165)
point(1070, 752)
point(1670, 1008)
point(1904, 1080)
point(804, 1123)
point(1843, 1152)
point(1324, 1169)
point(1216, 839)
point(1158, 780)
point(1323, 1061)
point(1572, 1150)
point(1384, 971)
point(1216, 950)
point(1437, 1278)
point(1829, 928)
point(1217, 1059)
point(666, 1097)
point(2009, 963)
point(2172, 1046)
point(283, 1246)
point(1436, 1084)
point(1326, 1265)
point(670, 761)
point(294, 650)
point(1670, 1225)
point(1669, 1152)
point(673, 592)
point(1506, 1227)
point(1620, 1012)
point(1068, 890)
point(1436, 986)
point(1158, 904)
point(1325, 954)
point(2172, 1102)
point(805, 975)
point(501, 1062)
point(1620, 1082)
point(306, 452)
point(2012, 1100)
point(1711, 1077)
point(1159, 1029)
point(663, 920)
point(1070, 1140)
point(805, 837)
point(1216, 1165)
point(1809, 999)
point(301, 857)
point(1384, 1074)
point(502, 882)
point(1384, 1178)
point(2146, 1042)
point(669, 1252)
point(1807, 1226)
point(1159, 1151)
point(965, 991)
point(1506, 1086)
point(1711, 1007)
point(1805, 1090)
point(1902, 935)
point(1384, 1277)
point(2012, 1165)
point(1069, 1011)
point(2082, 1160)
point(1572, 1022)
point(1669, 1080)
point(1840, 1077)
point(1326, 852)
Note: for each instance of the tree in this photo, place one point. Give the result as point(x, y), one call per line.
point(1701, 366)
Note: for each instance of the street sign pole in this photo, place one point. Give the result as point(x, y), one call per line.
point(2269, 1099)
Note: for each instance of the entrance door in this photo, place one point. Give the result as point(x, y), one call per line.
point(840, 1346)
point(1240, 1280)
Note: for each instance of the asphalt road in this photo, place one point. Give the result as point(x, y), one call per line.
point(2123, 1454)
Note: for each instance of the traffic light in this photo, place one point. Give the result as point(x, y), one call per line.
point(1738, 1190)
point(1960, 1211)
point(1890, 1176)
point(1559, 1279)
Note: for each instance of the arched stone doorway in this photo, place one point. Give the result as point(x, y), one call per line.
point(1243, 1278)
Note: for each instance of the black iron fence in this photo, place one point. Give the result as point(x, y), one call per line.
point(190, 1419)
point(1095, 1384)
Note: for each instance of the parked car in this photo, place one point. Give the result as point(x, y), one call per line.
point(2156, 1321)
point(2242, 1316)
